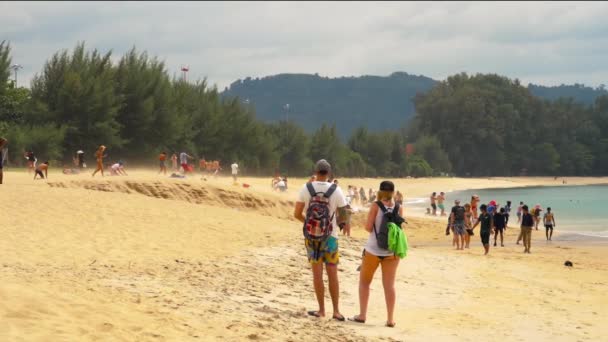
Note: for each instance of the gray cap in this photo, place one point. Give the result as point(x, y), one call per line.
point(322, 165)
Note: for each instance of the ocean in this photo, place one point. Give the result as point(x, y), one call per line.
point(579, 210)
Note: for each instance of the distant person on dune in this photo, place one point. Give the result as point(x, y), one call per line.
point(118, 169)
point(162, 163)
point(549, 220)
point(99, 155)
point(31, 161)
point(174, 162)
point(3, 143)
point(44, 167)
point(325, 210)
point(235, 171)
point(183, 160)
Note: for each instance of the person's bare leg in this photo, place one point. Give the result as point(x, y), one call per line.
point(317, 279)
point(369, 265)
point(550, 235)
point(462, 238)
point(467, 240)
point(389, 272)
point(334, 288)
point(1, 176)
point(502, 240)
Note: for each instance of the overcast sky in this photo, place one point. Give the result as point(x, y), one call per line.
point(545, 43)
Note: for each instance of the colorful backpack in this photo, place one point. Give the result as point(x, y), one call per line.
point(318, 220)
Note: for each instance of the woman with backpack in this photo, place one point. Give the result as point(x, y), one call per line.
point(374, 255)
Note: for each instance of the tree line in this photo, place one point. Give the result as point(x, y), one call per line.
point(467, 125)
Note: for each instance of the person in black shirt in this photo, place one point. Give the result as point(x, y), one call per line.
point(527, 222)
point(500, 223)
point(486, 227)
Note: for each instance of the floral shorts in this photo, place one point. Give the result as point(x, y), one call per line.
point(322, 250)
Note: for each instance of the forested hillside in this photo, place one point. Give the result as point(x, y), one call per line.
point(578, 92)
point(348, 102)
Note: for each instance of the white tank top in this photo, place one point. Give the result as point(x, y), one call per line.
point(372, 244)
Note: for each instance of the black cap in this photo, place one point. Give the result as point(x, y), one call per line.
point(387, 186)
point(322, 166)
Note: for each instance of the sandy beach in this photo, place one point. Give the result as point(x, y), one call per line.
point(148, 258)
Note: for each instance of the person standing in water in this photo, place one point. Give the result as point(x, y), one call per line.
point(507, 213)
point(3, 143)
point(486, 227)
point(99, 158)
point(440, 200)
point(474, 202)
point(433, 205)
point(527, 223)
point(549, 220)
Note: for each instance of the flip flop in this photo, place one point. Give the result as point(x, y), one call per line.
point(390, 325)
point(314, 313)
point(339, 318)
point(356, 319)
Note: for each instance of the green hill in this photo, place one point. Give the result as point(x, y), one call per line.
point(376, 102)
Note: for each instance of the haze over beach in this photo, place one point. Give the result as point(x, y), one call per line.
point(156, 159)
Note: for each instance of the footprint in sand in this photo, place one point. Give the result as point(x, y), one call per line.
point(106, 326)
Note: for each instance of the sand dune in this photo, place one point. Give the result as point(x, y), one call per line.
point(143, 258)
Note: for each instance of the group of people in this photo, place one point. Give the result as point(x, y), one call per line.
point(323, 208)
point(437, 202)
point(494, 219)
point(358, 196)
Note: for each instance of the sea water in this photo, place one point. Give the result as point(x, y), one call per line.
point(578, 209)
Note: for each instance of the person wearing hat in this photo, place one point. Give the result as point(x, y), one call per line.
point(457, 217)
point(324, 251)
point(99, 157)
point(374, 256)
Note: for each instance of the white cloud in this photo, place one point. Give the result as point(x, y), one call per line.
point(547, 43)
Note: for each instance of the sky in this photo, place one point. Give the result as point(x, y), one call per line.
point(547, 43)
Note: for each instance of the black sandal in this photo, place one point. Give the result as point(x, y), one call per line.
point(356, 319)
point(314, 314)
point(339, 318)
point(390, 325)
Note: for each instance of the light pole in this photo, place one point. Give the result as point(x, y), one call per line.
point(15, 68)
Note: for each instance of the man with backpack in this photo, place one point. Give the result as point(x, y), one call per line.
point(322, 208)
point(458, 225)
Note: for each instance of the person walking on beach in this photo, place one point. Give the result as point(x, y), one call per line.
point(31, 161)
point(183, 160)
point(500, 222)
point(99, 158)
point(362, 196)
point(474, 203)
point(507, 213)
point(519, 211)
point(3, 143)
point(440, 200)
point(374, 255)
point(486, 227)
point(549, 220)
point(235, 170)
point(457, 217)
point(433, 205)
point(44, 167)
point(536, 213)
point(321, 201)
point(174, 161)
point(527, 222)
point(468, 224)
point(162, 160)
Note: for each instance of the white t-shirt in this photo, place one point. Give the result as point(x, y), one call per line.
point(336, 200)
point(235, 168)
point(183, 158)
